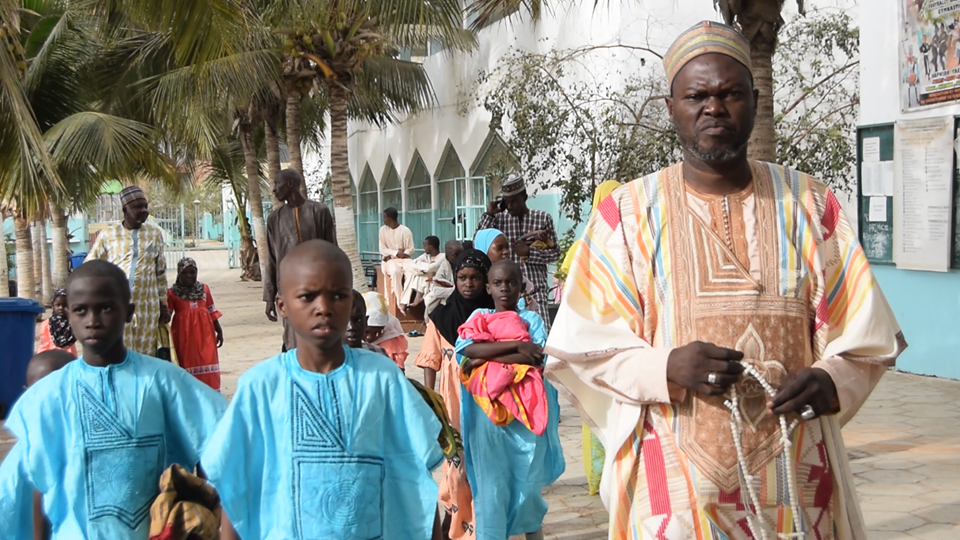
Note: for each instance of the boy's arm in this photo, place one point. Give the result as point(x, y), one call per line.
point(490, 349)
point(227, 531)
point(16, 501)
point(193, 411)
point(41, 527)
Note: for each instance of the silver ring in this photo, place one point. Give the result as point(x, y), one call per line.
point(807, 413)
point(712, 378)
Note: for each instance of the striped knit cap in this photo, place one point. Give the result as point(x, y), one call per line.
point(705, 38)
point(130, 194)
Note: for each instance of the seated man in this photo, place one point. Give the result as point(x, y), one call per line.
point(419, 275)
point(444, 281)
point(396, 248)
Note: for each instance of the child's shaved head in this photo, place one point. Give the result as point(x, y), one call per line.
point(102, 269)
point(506, 268)
point(45, 363)
point(316, 295)
point(505, 284)
point(312, 252)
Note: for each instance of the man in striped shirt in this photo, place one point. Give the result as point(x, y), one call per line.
point(531, 234)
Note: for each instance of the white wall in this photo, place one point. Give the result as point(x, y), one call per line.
point(879, 65)
point(459, 118)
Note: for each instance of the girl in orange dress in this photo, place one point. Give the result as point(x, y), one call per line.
point(195, 329)
point(55, 332)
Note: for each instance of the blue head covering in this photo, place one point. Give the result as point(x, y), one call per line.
point(484, 239)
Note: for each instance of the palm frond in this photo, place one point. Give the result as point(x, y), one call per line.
point(313, 120)
point(414, 22)
point(198, 31)
point(109, 145)
point(387, 87)
point(27, 175)
point(485, 13)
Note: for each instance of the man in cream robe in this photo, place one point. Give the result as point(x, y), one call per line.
point(396, 250)
point(688, 275)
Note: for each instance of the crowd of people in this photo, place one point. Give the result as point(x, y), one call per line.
point(719, 324)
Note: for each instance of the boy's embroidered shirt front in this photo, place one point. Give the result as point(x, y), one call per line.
point(347, 454)
point(95, 441)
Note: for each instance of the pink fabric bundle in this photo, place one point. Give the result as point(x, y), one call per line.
point(506, 391)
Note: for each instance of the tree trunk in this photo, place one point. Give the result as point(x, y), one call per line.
point(272, 140)
point(340, 185)
point(254, 194)
point(4, 268)
point(293, 135)
point(60, 248)
point(45, 272)
point(763, 142)
point(37, 261)
point(249, 258)
point(26, 284)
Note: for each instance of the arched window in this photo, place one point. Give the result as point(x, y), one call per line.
point(451, 186)
point(368, 217)
point(494, 162)
point(391, 188)
point(419, 213)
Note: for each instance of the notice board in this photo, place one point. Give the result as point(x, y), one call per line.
point(877, 237)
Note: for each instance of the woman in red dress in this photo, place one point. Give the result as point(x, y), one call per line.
point(195, 329)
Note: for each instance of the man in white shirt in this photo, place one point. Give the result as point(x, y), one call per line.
point(418, 277)
point(396, 248)
point(444, 282)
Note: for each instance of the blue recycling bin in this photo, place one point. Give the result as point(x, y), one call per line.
point(18, 323)
point(76, 259)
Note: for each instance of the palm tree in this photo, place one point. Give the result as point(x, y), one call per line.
point(84, 142)
point(246, 120)
point(351, 47)
point(760, 22)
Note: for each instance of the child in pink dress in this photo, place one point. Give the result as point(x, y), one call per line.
point(505, 391)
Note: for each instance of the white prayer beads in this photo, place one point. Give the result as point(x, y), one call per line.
point(755, 519)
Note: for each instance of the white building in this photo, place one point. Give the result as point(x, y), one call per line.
point(927, 304)
point(412, 166)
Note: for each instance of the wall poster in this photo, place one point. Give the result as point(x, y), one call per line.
point(929, 52)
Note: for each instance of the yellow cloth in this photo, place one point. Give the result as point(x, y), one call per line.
point(497, 413)
point(188, 508)
point(705, 38)
point(602, 192)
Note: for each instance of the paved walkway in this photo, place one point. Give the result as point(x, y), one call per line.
point(904, 444)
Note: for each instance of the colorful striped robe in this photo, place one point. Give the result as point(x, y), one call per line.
point(652, 274)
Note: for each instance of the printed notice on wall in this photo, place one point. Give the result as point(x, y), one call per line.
point(871, 150)
point(923, 181)
point(878, 210)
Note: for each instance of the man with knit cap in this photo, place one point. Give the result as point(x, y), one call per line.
point(136, 246)
point(689, 287)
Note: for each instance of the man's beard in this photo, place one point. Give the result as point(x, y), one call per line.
point(710, 156)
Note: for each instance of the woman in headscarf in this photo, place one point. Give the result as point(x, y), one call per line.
point(195, 329)
point(593, 452)
point(55, 332)
point(436, 355)
point(494, 243)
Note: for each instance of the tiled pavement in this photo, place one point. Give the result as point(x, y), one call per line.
point(904, 444)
